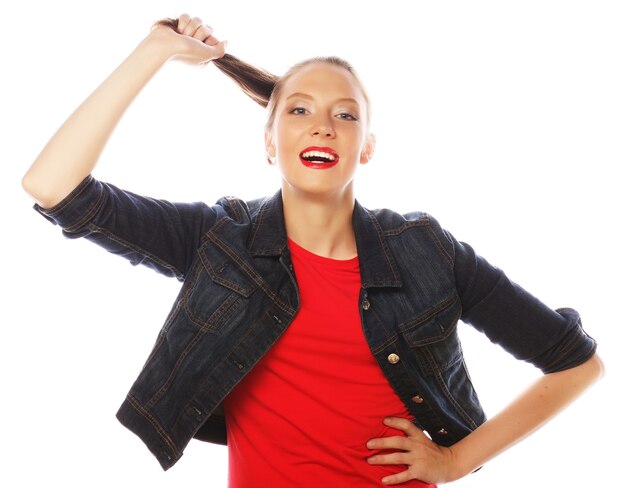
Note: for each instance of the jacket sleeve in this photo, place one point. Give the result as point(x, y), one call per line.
point(552, 340)
point(161, 235)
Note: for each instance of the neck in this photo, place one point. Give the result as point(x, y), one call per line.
point(322, 225)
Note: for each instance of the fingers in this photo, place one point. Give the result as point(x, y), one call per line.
point(396, 459)
point(184, 23)
point(219, 49)
point(396, 442)
point(405, 425)
point(425, 460)
point(393, 458)
point(396, 479)
point(203, 34)
point(194, 27)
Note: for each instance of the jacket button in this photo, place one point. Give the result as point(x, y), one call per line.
point(417, 399)
point(393, 358)
point(366, 304)
point(442, 431)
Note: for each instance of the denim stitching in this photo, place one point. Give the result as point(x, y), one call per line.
point(259, 219)
point(383, 245)
point(439, 307)
point(75, 193)
point(178, 273)
point(233, 205)
point(157, 426)
point(571, 344)
point(447, 393)
point(267, 314)
point(212, 324)
point(183, 355)
point(163, 332)
point(392, 340)
point(438, 244)
point(250, 272)
point(422, 222)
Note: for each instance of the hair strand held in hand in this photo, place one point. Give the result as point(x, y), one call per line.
point(257, 83)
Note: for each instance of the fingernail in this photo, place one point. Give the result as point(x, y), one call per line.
point(370, 444)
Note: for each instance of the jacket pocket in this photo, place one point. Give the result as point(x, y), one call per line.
point(218, 289)
point(433, 337)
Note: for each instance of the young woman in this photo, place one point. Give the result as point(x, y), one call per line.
point(317, 338)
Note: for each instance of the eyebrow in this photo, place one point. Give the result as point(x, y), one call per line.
point(309, 97)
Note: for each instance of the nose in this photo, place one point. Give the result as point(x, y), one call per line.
point(323, 128)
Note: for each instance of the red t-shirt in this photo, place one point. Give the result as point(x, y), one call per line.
point(302, 416)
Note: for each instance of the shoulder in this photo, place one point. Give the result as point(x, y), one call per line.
point(416, 223)
point(239, 210)
point(391, 221)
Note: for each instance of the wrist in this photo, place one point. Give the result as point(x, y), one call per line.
point(461, 464)
point(158, 46)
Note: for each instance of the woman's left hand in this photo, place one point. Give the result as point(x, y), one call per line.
point(426, 461)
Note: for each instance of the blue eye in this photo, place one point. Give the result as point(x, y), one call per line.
point(346, 116)
point(298, 111)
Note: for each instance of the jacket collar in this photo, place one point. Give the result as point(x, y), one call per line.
point(268, 237)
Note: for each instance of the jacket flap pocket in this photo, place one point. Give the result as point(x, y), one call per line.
point(433, 326)
point(226, 271)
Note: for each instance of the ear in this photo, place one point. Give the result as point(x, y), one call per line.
point(368, 149)
point(270, 148)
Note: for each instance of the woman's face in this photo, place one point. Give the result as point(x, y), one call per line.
point(319, 135)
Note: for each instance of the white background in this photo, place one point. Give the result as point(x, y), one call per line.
point(505, 120)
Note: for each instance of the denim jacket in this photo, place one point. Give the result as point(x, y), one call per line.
point(239, 294)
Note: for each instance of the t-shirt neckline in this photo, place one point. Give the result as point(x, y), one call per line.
point(297, 249)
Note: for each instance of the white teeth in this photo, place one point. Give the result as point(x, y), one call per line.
point(319, 154)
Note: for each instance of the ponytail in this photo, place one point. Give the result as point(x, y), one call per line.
point(255, 82)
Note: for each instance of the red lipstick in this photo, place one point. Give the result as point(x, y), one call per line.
point(318, 157)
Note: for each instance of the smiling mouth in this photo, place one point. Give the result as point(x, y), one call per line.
point(319, 157)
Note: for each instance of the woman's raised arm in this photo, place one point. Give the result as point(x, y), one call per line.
point(73, 151)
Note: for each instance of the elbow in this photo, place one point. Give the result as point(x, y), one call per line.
point(596, 367)
point(585, 374)
point(590, 371)
point(44, 194)
point(31, 186)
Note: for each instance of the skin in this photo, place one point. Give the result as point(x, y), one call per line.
point(73, 151)
point(321, 105)
point(427, 461)
point(324, 199)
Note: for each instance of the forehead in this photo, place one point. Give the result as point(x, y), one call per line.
point(323, 80)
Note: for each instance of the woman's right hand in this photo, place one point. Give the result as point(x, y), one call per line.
point(188, 39)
